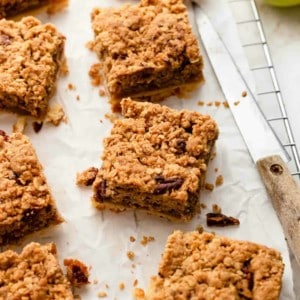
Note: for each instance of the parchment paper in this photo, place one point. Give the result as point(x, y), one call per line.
point(101, 240)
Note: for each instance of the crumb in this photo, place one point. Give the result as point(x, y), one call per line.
point(133, 266)
point(220, 220)
point(121, 286)
point(217, 103)
point(135, 282)
point(209, 186)
point(71, 87)
point(77, 97)
point(244, 94)
point(102, 92)
point(216, 170)
point(132, 239)
point(203, 205)
point(200, 228)
point(225, 104)
point(87, 177)
point(200, 103)
point(102, 295)
point(236, 103)
point(95, 281)
point(130, 255)
point(216, 209)
point(94, 74)
point(112, 117)
point(146, 239)
point(77, 272)
point(101, 121)
point(219, 180)
point(20, 124)
point(209, 104)
point(106, 285)
point(37, 126)
point(139, 294)
point(55, 114)
point(213, 155)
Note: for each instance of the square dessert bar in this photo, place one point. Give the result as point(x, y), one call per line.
point(146, 48)
point(30, 58)
point(26, 204)
point(210, 267)
point(33, 274)
point(155, 159)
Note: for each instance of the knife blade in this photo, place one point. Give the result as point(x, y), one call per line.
point(263, 144)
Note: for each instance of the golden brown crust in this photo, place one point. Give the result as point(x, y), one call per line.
point(155, 159)
point(33, 274)
point(30, 57)
point(26, 202)
point(210, 267)
point(146, 47)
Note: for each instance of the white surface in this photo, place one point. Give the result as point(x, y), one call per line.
point(101, 240)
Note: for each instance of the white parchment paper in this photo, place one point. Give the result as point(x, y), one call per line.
point(101, 240)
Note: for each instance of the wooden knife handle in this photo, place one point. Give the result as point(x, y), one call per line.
point(285, 196)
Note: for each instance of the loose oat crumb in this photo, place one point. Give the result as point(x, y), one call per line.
point(146, 239)
point(213, 155)
point(55, 114)
point(216, 209)
point(95, 281)
point(217, 103)
point(209, 104)
point(236, 103)
point(200, 103)
point(121, 286)
point(216, 170)
point(209, 186)
point(219, 180)
point(133, 266)
point(130, 255)
point(20, 124)
point(77, 97)
point(225, 104)
point(132, 239)
point(200, 228)
point(95, 75)
point(139, 294)
point(102, 92)
point(203, 205)
point(106, 285)
point(102, 295)
point(77, 272)
point(71, 87)
point(112, 117)
point(135, 282)
point(86, 177)
point(244, 94)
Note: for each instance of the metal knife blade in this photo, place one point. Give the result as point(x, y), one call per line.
point(263, 145)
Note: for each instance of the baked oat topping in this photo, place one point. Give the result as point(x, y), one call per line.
point(87, 177)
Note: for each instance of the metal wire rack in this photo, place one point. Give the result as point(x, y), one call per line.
point(268, 92)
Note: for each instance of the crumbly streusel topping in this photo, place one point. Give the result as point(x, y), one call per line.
point(33, 274)
point(216, 267)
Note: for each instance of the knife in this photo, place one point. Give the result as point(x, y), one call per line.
point(263, 145)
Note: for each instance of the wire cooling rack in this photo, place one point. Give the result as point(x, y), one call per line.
point(268, 92)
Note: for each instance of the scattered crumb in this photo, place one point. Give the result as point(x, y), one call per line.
point(220, 220)
point(203, 205)
point(236, 103)
point(213, 155)
point(71, 87)
point(200, 228)
point(112, 117)
point(244, 94)
point(86, 177)
point(219, 180)
point(55, 114)
point(217, 103)
point(216, 170)
point(106, 285)
point(132, 239)
point(209, 186)
point(130, 255)
point(225, 104)
point(146, 239)
point(133, 266)
point(102, 294)
point(216, 209)
point(20, 124)
point(102, 92)
point(209, 104)
point(200, 103)
point(95, 281)
point(135, 282)
point(139, 294)
point(77, 272)
point(95, 75)
point(121, 286)
point(37, 126)
point(77, 97)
